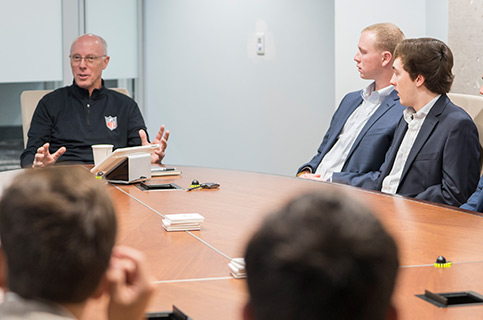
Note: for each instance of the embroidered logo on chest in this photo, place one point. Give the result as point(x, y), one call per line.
point(111, 122)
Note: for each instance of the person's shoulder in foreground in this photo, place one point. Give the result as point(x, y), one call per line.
point(362, 128)
point(57, 230)
point(435, 154)
point(321, 257)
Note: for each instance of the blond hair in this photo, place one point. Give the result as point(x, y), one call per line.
point(388, 36)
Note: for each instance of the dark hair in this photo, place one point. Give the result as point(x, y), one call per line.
point(430, 58)
point(57, 229)
point(323, 256)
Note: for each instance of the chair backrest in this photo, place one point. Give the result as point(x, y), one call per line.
point(29, 100)
point(121, 90)
point(473, 105)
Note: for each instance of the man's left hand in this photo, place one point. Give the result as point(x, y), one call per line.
point(161, 139)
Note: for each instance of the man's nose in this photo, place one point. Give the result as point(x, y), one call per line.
point(356, 57)
point(83, 63)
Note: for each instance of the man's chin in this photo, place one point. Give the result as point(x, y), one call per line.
point(403, 103)
point(82, 84)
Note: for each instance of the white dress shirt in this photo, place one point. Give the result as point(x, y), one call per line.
point(334, 160)
point(415, 121)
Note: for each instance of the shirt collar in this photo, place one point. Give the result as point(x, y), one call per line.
point(410, 114)
point(376, 97)
point(84, 93)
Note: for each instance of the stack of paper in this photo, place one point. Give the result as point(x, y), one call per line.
point(183, 222)
point(237, 266)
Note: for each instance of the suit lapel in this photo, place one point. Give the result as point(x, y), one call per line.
point(385, 106)
point(399, 134)
point(427, 128)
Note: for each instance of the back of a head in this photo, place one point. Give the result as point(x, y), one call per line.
point(57, 228)
point(388, 35)
point(428, 57)
point(323, 256)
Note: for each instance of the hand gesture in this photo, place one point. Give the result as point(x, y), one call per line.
point(158, 155)
point(44, 158)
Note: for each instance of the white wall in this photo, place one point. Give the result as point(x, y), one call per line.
point(31, 37)
point(116, 22)
point(437, 19)
point(227, 107)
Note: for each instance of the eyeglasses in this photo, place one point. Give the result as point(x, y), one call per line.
point(76, 58)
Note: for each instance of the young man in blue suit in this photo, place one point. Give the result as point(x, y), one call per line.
point(362, 128)
point(435, 154)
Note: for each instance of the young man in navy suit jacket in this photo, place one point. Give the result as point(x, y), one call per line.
point(363, 126)
point(435, 154)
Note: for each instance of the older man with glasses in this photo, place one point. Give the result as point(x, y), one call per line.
point(69, 120)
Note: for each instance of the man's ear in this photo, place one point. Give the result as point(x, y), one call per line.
point(419, 81)
point(248, 312)
point(105, 62)
point(386, 59)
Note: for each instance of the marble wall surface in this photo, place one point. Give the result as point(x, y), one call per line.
point(465, 38)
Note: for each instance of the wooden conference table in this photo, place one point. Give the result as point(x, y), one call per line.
point(191, 268)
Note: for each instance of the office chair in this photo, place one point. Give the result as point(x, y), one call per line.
point(473, 105)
